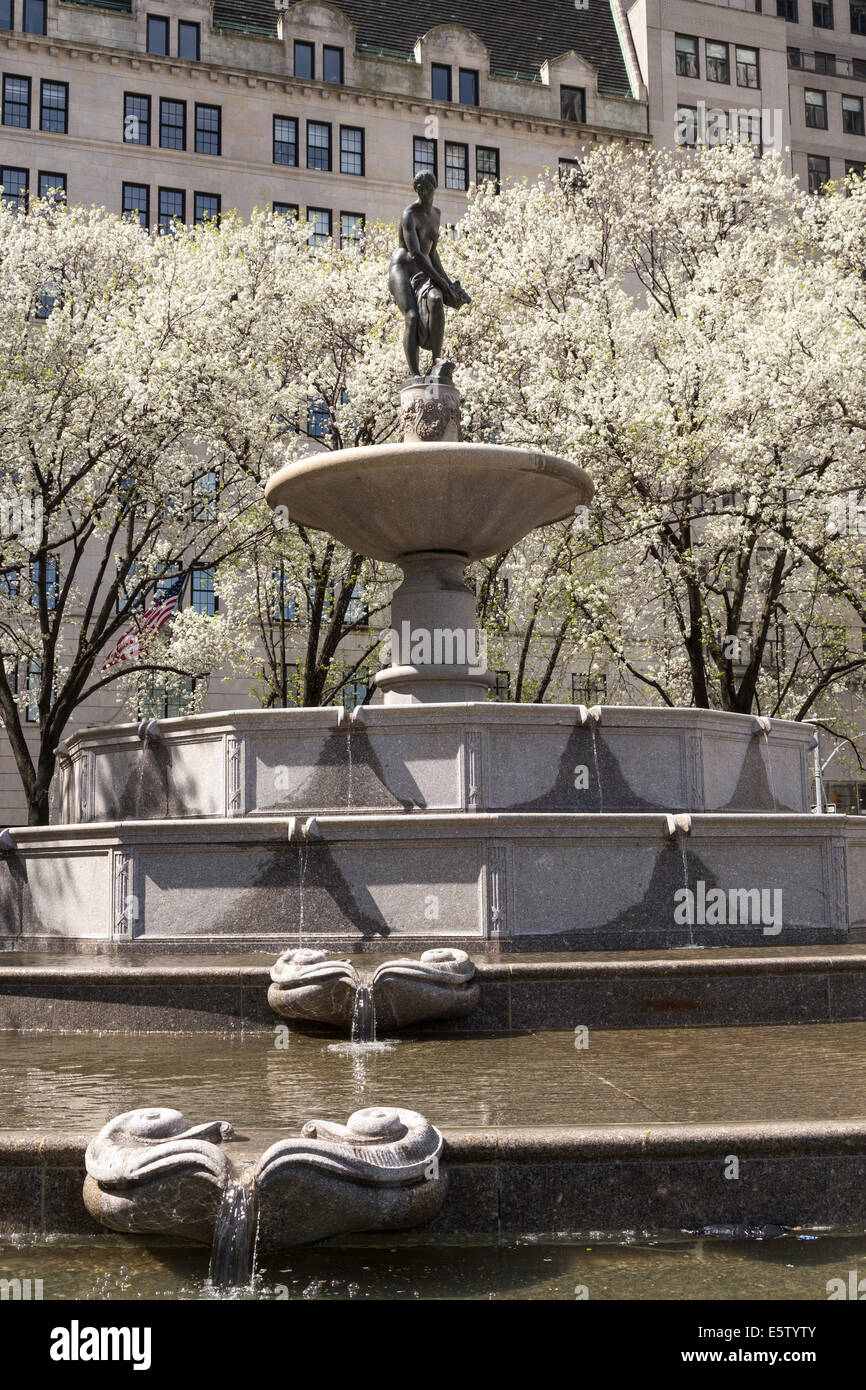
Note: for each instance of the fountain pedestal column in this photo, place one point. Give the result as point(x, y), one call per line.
point(437, 653)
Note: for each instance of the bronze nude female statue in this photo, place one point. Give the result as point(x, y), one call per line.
point(419, 283)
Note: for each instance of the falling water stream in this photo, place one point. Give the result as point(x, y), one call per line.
point(770, 776)
point(364, 1016)
point(233, 1253)
point(302, 873)
point(349, 758)
point(597, 768)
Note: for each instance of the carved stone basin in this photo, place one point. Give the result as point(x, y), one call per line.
point(397, 499)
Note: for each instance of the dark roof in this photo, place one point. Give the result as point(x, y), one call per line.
point(520, 34)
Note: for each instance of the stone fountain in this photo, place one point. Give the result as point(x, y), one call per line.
point(436, 822)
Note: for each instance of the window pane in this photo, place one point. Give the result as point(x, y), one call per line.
point(816, 110)
point(136, 119)
point(205, 487)
point(320, 223)
point(819, 172)
point(6, 14)
point(318, 419)
point(171, 207)
point(318, 145)
point(34, 16)
point(208, 129)
point(468, 87)
point(172, 124)
point(14, 188)
point(52, 186)
point(822, 14)
point(285, 209)
point(53, 114)
point(351, 229)
point(16, 101)
point(425, 160)
point(207, 206)
point(858, 16)
point(332, 64)
point(441, 82)
point(157, 35)
point(686, 49)
point(136, 201)
point(188, 41)
point(852, 115)
point(686, 127)
point(747, 67)
point(34, 689)
point(486, 165)
point(305, 59)
point(717, 62)
point(351, 150)
point(285, 140)
point(572, 104)
point(456, 166)
point(202, 592)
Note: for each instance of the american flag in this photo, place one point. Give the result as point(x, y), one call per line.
point(129, 646)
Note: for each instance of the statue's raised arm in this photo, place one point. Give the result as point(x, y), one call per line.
point(420, 284)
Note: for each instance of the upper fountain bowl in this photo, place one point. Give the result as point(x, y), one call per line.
point(390, 500)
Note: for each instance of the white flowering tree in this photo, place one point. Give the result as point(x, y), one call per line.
point(690, 330)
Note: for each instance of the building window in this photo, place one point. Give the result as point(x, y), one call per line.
point(747, 129)
point(686, 126)
point(816, 110)
point(858, 16)
point(205, 492)
point(136, 202)
point(747, 67)
point(207, 207)
point(686, 49)
point(52, 186)
point(571, 175)
point(34, 691)
point(202, 594)
point(787, 9)
point(351, 230)
point(157, 35)
point(857, 167)
point(852, 115)
point(426, 157)
point(318, 419)
point(54, 107)
point(588, 689)
point(34, 16)
point(487, 165)
point(14, 188)
point(188, 41)
point(286, 140)
point(319, 145)
point(502, 689)
point(572, 104)
point(320, 221)
point(441, 80)
point(332, 64)
point(208, 129)
point(354, 692)
point(305, 59)
point(172, 207)
point(52, 581)
point(136, 119)
point(285, 597)
point(468, 87)
point(285, 210)
point(357, 609)
point(849, 798)
point(718, 66)
point(172, 124)
point(819, 172)
point(7, 14)
point(351, 150)
point(16, 101)
point(456, 165)
point(822, 14)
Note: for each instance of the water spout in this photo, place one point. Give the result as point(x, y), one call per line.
point(678, 824)
point(7, 843)
point(232, 1260)
point(148, 730)
point(364, 1016)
